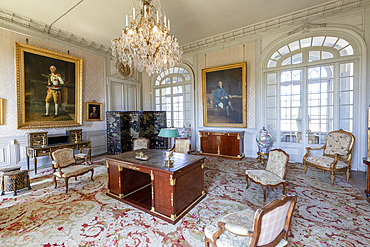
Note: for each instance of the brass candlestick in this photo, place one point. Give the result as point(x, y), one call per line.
point(169, 163)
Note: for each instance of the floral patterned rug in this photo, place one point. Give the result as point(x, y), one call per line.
point(325, 215)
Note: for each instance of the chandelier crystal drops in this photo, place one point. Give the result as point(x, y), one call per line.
point(144, 43)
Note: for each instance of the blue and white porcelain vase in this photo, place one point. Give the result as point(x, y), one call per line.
point(264, 140)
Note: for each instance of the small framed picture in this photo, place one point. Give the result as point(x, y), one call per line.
point(94, 111)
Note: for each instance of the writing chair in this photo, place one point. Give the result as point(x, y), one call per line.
point(274, 174)
point(83, 156)
point(182, 145)
point(141, 143)
point(268, 226)
point(336, 154)
point(64, 166)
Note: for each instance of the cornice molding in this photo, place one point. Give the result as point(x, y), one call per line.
point(303, 15)
point(57, 33)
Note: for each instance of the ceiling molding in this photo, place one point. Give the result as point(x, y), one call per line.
point(303, 15)
point(43, 28)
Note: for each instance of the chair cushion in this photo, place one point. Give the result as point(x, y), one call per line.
point(338, 143)
point(264, 177)
point(64, 157)
point(80, 156)
point(73, 170)
point(226, 239)
point(325, 161)
point(276, 163)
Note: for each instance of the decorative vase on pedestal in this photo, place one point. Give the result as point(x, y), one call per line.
point(263, 141)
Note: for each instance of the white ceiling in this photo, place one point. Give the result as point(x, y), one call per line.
point(191, 20)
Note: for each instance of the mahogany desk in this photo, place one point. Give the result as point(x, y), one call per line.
point(167, 193)
point(366, 161)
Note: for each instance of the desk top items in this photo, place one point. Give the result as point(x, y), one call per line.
point(141, 156)
point(264, 140)
point(169, 133)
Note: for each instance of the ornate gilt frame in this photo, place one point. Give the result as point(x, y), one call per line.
point(88, 104)
point(243, 78)
point(20, 50)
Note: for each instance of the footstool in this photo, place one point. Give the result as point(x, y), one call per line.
point(15, 180)
point(6, 169)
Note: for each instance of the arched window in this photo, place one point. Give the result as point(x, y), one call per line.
point(173, 93)
point(310, 89)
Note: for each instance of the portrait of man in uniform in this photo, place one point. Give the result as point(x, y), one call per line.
point(49, 87)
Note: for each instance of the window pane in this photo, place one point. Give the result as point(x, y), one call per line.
point(346, 111)
point(271, 78)
point(313, 56)
point(271, 101)
point(346, 83)
point(276, 56)
point(284, 50)
point(330, 41)
point(327, 55)
point(287, 61)
point(317, 41)
point(340, 44)
point(297, 59)
point(271, 63)
point(347, 51)
point(271, 90)
point(305, 42)
point(346, 69)
point(346, 97)
point(294, 45)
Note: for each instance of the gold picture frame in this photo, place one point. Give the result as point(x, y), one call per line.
point(224, 91)
point(1, 111)
point(94, 111)
point(49, 88)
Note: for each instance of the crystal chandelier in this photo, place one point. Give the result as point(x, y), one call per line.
point(145, 43)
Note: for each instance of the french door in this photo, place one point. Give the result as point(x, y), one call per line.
point(304, 104)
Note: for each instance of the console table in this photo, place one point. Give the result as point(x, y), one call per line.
point(40, 144)
point(167, 193)
point(226, 144)
point(366, 161)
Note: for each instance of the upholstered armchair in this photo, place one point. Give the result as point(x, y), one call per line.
point(336, 155)
point(64, 166)
point(268, 226)
point(182, 145)
point(141, 143)
point(275, 172)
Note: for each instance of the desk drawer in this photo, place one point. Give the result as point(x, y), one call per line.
point(42, 152)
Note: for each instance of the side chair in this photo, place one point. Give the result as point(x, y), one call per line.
point(273, 175)
point(182, 145)
point(141, 143)
point(268, 226)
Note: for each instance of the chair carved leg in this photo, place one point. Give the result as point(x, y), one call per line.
point(348, 174)
point(55, 182)
point(92, 174)
point(76, 178)
point(332, 177)
point(304, 167)
point(66, 181)
point(264, 194)
point(284, 188)
point(247, 178)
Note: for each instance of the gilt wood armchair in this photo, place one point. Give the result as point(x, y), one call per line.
point(268, 226)
point(64, 166)
point(274, 174)
point(336, 155)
